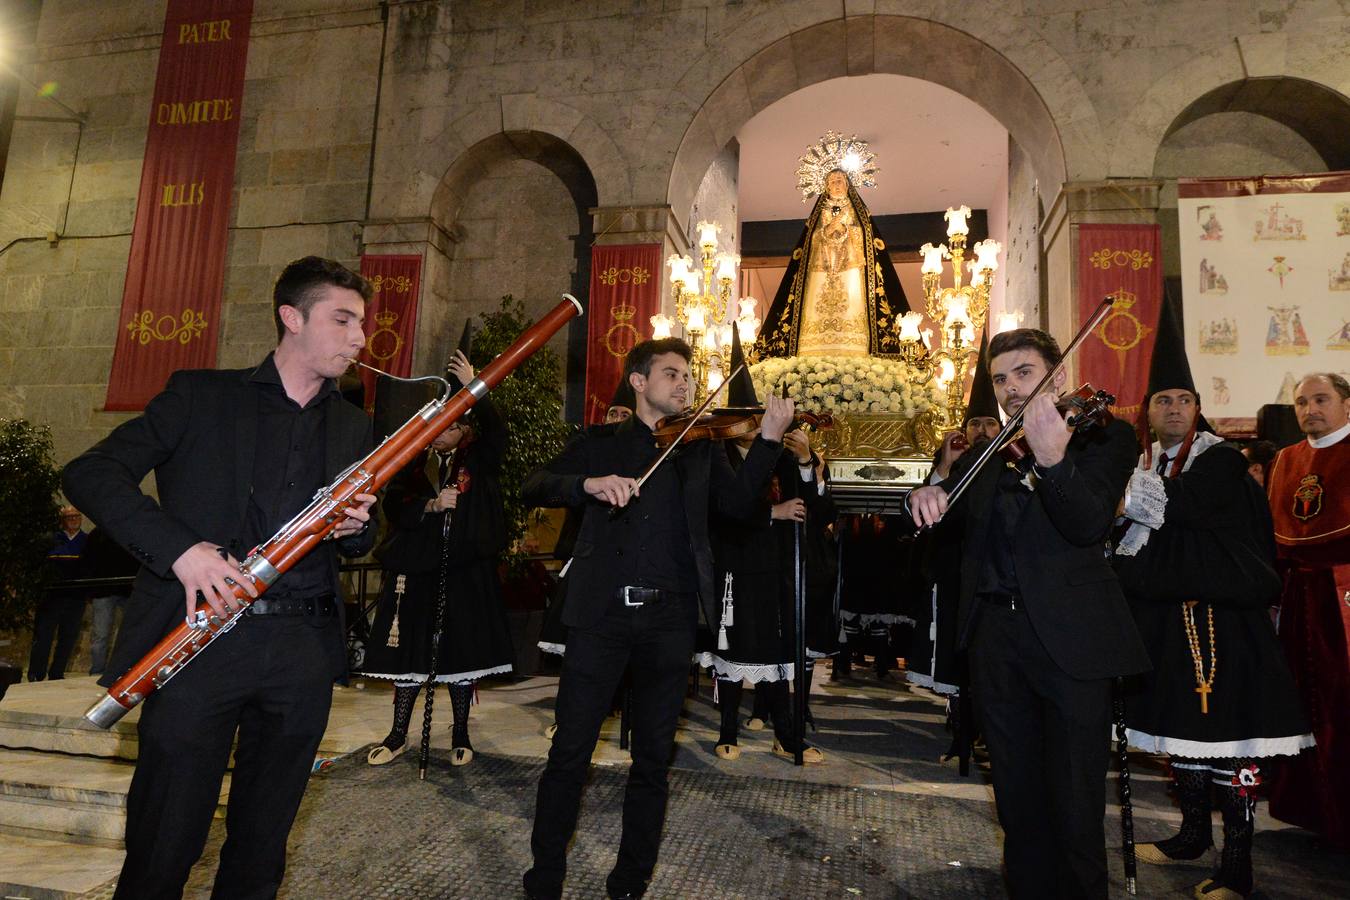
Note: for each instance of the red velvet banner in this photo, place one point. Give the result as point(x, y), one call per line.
point(625, 293)
point(171, 299)
point(1124, 261)
point(391, 316)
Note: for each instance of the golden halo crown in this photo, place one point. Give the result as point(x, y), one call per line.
point(834, 151)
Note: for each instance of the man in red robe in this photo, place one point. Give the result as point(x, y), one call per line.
point(1309, 491)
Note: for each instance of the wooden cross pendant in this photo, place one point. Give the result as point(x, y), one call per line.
point(1203, 690)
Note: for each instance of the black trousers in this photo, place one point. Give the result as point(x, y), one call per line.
point(658, 638)
point(1048, 737)
point(59, 617)
point(269, 680)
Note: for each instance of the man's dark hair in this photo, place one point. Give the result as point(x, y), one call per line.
point(1262, 452)
point(1338, 382)
point(1026, 339)
point(299, 283)
point(639, 359)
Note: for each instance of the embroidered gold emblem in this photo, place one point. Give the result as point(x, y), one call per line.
point(144, 327)
point(378, 345)
point(633, 275)
point(1105, 258)
point(621, 336)
point(1308, 497)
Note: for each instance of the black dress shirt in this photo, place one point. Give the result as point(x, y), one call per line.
point(654, 549)
point(1011, 497)
point(288, 467)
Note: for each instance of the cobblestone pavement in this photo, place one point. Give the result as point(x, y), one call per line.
point(463, 833)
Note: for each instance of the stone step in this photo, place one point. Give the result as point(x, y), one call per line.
point(49, 716)
point(74, 798)
point(39, 868)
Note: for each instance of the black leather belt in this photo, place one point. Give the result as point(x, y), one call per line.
point(323, 605)
point(1007, 601)
point(641, 596)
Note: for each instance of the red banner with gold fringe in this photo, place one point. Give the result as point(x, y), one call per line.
point(1125, 262)
point(171, 299)
point(391, 316)
point(625, 294)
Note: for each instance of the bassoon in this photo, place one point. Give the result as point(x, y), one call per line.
point(315, 523)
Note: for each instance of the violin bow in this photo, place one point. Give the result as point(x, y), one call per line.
point(692, 419)
point(1015, 420)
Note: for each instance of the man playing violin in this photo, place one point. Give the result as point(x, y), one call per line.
point(236, 454)
point(1045, 622)
point(640, 577)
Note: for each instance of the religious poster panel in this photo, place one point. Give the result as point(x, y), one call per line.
point(1124, 262)
point(625, 294)
point(1266, 286)
point(175, 271)
point(391, 316)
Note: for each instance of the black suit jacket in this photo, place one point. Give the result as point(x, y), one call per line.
point(708, 481)
point(1069, 590)
point(198, 436)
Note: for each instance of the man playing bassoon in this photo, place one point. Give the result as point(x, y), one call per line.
point(236, 454)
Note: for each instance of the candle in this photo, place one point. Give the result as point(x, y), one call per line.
point(956, 220)
point(726, 266)
point(957, 314)
point(1007, 321)
point(707, 233)
point(661, 325)
point(747, 305)
point(694, 314)
point(986, 254)
point(909, 326)
point(932, 258)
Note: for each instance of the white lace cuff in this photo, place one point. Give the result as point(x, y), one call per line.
point(1146, 499)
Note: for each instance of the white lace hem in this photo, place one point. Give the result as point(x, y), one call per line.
point(550, 647)
point(736, 671)
point(1251, 747)
point(927, 681)
point(453, 678)
point(1146, 506)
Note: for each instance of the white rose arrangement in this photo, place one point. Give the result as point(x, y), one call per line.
point(846, 384)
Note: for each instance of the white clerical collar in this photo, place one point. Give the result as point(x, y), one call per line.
point(1327, 440)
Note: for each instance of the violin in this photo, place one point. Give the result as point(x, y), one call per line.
point(725, 425)
point(1089, 407)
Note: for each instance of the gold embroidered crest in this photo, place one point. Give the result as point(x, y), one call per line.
point(1308, 497)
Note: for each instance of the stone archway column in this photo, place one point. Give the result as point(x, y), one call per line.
point(1133, 201)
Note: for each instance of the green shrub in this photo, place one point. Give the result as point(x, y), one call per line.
point(29, 481)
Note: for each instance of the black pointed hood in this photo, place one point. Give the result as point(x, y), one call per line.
point(982, 400)
point(741, 391)
point(1169, 369)
point(624, 395)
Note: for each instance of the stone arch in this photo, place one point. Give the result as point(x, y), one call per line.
point(500, 261)
point(902, 45)
point(506, 118)
point(1317, 113)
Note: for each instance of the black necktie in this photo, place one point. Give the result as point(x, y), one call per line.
point(1162, 464)
point(443, 471)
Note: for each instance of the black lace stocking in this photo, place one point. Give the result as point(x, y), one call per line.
point(1192, 792)
point(404, 698)
point(461, 695)
point(729, 701)
point(1238, 805)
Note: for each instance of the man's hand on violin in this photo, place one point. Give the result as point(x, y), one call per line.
point(206, 571)
point(800, 445)
point(778, 415)
point(793, 510)
point(616, 490)
point(927, 505)
point(357, 517)
point(1046, 429)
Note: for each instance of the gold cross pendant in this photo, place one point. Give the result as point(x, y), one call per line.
point(1203, 690)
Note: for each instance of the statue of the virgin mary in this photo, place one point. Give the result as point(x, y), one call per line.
point(840, 295)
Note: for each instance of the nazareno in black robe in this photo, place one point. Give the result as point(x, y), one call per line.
point(758, 554)
point(476, 639)
point(1216, 546)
